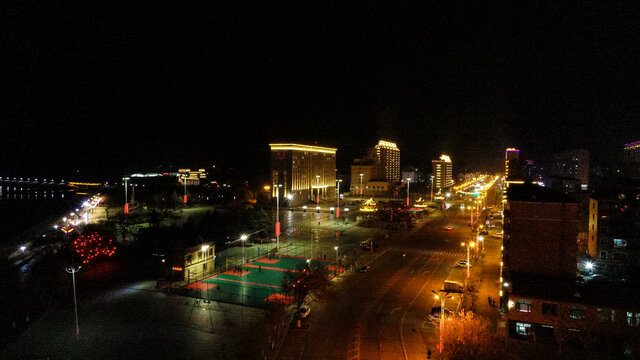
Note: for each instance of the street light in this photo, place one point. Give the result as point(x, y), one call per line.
point(278, 215)
point(442, 298)
point(361, 185)
point(408, 183)
point(336, 248)
point(468, 245)
point(126, 198)
point(431, 188)
point(338, 200)
point(317, 189)
point(73, 272)
point(243, 238)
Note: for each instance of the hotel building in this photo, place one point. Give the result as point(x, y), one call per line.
point(442, 172)
point(304, 171)
point(387, 155)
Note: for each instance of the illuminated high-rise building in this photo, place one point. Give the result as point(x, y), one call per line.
point(512, 166)
point(442, 171)
point(632, 159)
point(572, 163)
point(304, 171)
point(387, 155)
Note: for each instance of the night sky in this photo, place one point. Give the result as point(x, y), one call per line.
point(108, 87)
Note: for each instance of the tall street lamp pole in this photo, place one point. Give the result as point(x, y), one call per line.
point(336, 248)
point(431, 188)
point(185, 189)
point(338, 201)
point(126, 198)
point(408, 183)
point(243, 238)
point(442, 298)
point(278, 216)
point(361, 185)
point(468, 245)
point(317, 190)
point(73, 272)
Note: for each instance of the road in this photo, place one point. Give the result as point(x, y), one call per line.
point(381, 314)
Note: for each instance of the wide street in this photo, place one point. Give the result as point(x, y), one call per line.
point(382, 313)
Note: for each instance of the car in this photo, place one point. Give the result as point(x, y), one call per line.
point(448, 228)
point(434, 315)
point(364, 269)
point(483, 232)
point(304, 312)
point(496, 235)
point(462, 263)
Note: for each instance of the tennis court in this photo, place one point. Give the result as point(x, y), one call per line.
point(254, 284)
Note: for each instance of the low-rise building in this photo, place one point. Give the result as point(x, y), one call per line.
point(199, 261)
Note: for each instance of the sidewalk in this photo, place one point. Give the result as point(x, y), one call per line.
point(487, 278)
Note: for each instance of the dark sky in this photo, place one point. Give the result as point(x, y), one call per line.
point(107, 87)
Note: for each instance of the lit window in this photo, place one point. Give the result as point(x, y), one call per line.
point(523, 306)
point(523, 328)
point(633, 319)
point(577, 312)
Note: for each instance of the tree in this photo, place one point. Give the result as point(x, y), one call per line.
point(307, 278)
point(469, 336)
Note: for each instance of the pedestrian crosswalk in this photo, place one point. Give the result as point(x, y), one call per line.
point(432, 252)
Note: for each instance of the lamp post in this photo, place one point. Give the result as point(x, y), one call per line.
point(431, 188)
point(243, 238)
point(336, 248)
point(443, 299)
point(126, 198)
point(338, 200)
point(408, 183)
point(278, 216)
point(468, 245)
point(184, 178)
point(317, 190)
point(73, 272)
point(361, 186)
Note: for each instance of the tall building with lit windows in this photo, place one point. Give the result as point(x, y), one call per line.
point(512, 166)
point(632, 159)
point(387, 155)
point(304, 171)
point(442, 171)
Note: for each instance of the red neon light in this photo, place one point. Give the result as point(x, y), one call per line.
point(407, 201)
point(337, 212)
point(278, 228)
point(360, 191)
point(126, 208)
point(185, 199)
point(176, 268)
point(317, 199)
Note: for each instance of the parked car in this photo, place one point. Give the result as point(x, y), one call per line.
point(448, 228)
point(462, 263)
point(364, 269)
point(483, 232)
point(434, 315)
point(304, 312)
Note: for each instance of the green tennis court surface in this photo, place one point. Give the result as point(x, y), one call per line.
point(256, 284)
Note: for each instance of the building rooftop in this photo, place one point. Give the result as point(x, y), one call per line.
point(529, 192)
point(302, 147)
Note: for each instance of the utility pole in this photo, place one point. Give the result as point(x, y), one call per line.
point(73, 272)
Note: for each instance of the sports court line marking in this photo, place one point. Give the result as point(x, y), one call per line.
point(247, 282)
point(302, 257)
point(270, 268)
